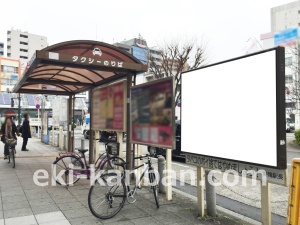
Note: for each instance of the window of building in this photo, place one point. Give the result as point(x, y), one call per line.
point(5, 81)
point(298, 11)
point(23, 43)
point(288, 79)
point(9, 69)
point(23, 36)
point(23, 57)
point(23, 50)
point(288, 61)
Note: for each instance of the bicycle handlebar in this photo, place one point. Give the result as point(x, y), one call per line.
point(141, 157)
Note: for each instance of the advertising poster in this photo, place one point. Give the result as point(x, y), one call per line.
point(152, 113)
point(109, 107)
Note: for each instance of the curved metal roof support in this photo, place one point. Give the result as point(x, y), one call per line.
point(65, 88)
point(79, 74)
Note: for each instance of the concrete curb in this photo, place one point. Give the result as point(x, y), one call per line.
point(221, 209)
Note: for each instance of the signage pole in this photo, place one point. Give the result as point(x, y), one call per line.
point(200, 190)
point(169, 174)
point(38, 123)
point(265, 204)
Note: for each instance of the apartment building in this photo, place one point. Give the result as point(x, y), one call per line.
point(22, 45)
point(10, 72)
point(1, 49)
point(285, 16)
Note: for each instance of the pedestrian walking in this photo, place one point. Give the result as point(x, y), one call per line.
point(25, 132)
point(8, 134)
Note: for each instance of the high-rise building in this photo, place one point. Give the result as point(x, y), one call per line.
point(285, 16)
point(22, 45)
point(1, 49)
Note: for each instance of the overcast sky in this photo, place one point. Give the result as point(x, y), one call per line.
point(227, 25)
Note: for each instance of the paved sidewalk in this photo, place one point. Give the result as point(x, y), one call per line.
point(23, 202)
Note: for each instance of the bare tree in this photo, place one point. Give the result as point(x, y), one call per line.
point(292, 89)
point(176, 56)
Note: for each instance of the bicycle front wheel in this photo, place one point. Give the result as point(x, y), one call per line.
point(107, 196)
point(154, 187)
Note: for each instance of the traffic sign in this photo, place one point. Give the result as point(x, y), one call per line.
point(179, 104)
point(37, 98)
point(37, 106)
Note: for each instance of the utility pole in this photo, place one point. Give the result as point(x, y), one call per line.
point(19, 110)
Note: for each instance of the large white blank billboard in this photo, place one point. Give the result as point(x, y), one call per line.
point(235, 110)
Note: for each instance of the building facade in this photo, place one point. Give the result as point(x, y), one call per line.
point(10, 72)
point(22, 45)
point(285, 16)
point(1, 49)
point(139, 49)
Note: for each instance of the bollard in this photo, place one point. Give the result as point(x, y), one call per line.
point(65, 141)
point(161, 168)
point(210, 193)
point(82, 143)
point(56, 140)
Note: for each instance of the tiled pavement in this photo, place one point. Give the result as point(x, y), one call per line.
point(23, 203)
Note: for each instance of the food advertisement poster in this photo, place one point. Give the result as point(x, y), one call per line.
point(109, 107)
point(152, 113)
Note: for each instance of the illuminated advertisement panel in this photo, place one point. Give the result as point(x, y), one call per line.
point(109, 107)
point(152, 113)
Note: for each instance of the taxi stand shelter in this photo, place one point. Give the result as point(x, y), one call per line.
point(73, 67)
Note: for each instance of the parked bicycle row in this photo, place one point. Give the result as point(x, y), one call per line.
point(109, 192)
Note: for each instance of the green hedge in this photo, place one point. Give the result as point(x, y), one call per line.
point(297, 137)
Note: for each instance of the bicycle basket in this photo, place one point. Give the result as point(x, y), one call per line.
point(11, 142)
point(113, 148)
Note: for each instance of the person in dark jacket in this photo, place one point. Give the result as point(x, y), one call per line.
point(8, 134)
point(25, 132)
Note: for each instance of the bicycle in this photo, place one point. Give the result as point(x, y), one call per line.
point(79, 167)
point(111, 196)
point(12, 151)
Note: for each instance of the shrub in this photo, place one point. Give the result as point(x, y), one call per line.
point(297, 137)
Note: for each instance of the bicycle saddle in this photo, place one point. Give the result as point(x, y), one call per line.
point(121, 164)
point(82, 150)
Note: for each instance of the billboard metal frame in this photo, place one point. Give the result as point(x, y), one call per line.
point(173, 113)
point(280, 107)
point(124, 104)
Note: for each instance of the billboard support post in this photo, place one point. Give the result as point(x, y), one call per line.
point(128, 132)
point(265, 204)
point(120, 141)
point(211, 204)
point(97, 136)
point(169, 174)
point(139, 162)
point(200, 190)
